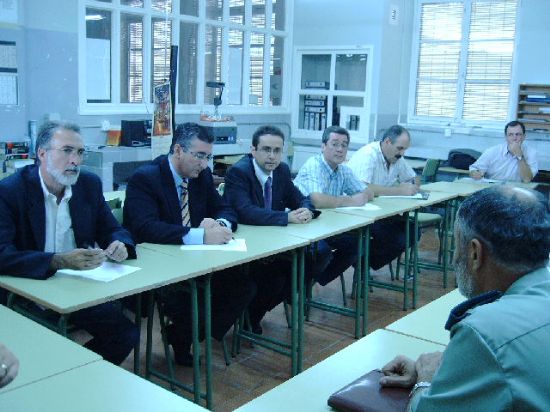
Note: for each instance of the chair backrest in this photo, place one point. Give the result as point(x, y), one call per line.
point(430, 170)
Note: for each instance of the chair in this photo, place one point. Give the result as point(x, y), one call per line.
point(425, 219)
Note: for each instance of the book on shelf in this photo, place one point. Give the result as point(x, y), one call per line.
point(312, 84)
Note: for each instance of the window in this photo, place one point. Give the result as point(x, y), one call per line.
point(462, 65)
point(125, 52)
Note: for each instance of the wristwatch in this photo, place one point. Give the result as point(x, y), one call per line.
point(419, 386)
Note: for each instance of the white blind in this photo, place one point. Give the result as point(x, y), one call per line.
point(465, 59)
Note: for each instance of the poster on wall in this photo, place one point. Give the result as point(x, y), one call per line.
point(161, 135)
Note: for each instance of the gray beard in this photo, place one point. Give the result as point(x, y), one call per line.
point(59, 177)
point(464, 279)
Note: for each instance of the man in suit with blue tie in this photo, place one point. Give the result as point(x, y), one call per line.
point(173, 201)
point(259, 187)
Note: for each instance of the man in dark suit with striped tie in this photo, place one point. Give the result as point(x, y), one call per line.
point(174, 201)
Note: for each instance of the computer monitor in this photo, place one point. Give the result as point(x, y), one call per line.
point(135, 133)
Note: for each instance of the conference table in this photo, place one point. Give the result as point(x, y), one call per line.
point(387, 206)
point(67, 294)
point(428, 322)
point(310, 390)
point(42, 353)
point(261, 242)
point(328, 224)
point(95, 387)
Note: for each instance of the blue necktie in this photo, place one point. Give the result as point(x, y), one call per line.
point(267, 193)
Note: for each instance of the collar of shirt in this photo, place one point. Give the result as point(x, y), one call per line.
point(504, 150)
point(48, 195)
point(327, 166)
point(262, 177)
point(178, 180)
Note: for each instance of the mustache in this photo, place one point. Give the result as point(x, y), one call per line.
point(72, 169)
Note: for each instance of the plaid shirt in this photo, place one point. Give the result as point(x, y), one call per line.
point(316, 176)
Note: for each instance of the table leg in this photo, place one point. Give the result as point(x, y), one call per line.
point(196, 344)
point(208, 338)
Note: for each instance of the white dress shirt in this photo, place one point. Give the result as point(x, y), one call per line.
point(59, 226)
point(498, 163)
point(370, 166)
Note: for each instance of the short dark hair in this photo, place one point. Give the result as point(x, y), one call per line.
point(48, 129)
point(185, 132)
point(514, 123)
point(263, 130)
point(334, 129)
point(394, 132)
point(513, 223)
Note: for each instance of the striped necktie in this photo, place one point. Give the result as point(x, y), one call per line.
point(185, 217)
point(267, 193)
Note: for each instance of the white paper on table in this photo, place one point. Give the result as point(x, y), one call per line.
point(105, 273)
point(482, 180)
point(367, 206)
point(234, 245)
point(416, 196)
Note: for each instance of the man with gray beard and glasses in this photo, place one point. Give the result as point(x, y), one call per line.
point(497, 357)
point(52, 217)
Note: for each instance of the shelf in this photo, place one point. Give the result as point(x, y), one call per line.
point(534, 114)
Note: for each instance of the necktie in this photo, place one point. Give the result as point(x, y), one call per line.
point(267, 193)
point(185, 217)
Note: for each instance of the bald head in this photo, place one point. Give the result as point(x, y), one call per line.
point(513, 224)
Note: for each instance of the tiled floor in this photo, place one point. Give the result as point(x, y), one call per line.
point(256, 370)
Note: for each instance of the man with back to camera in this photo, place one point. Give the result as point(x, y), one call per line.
point(259, 187)
point(174, 201)
point(496, 358)
point(53, 216)
point(331, 184)
point(513, 160)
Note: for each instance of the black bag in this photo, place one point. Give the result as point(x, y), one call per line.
point(462, 158)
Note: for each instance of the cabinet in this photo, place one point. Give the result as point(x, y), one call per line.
point(534, 107)
point(332, 88)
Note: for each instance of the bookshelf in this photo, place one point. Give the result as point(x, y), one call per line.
point(534, 107)
point(332, 87)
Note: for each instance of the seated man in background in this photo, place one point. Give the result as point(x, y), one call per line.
point(174, 201)
point(331, 184)
point(513, 160)
point(381, 165)
point(53, 216)
point(260, 189)
point(495, 360)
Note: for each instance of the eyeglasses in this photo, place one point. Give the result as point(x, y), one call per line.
point(201, 155)
point(277, 151)
point(70, 151)
point(338, 145)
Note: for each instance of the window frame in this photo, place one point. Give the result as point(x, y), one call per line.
point(146, 107)
point(361, 135)
point(457, 120)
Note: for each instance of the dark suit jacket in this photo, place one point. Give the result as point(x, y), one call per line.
point(23, 222)
point(152, 210)
point(244, 193)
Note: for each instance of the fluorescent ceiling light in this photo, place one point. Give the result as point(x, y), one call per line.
point(94, 17)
